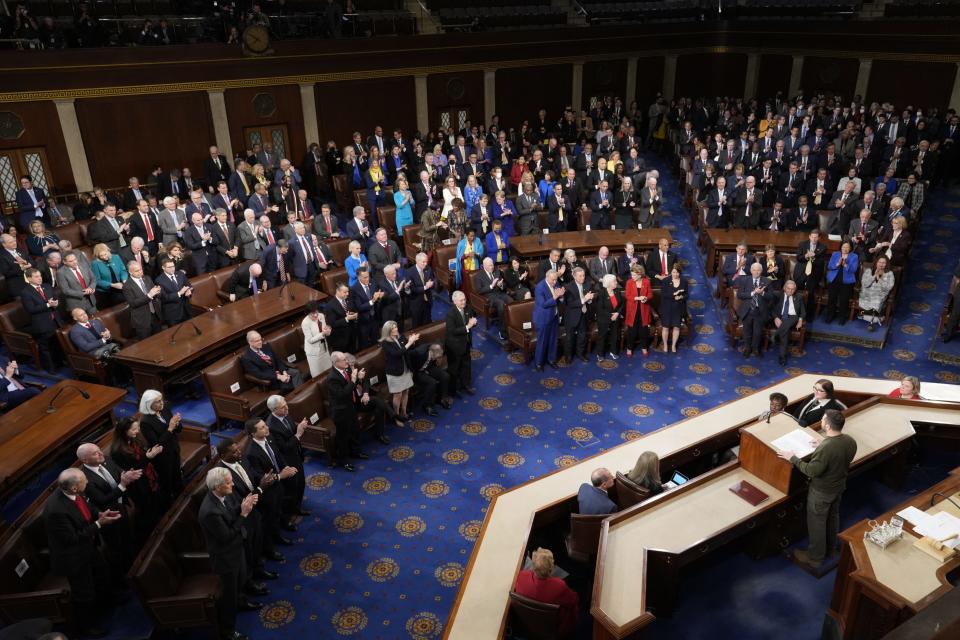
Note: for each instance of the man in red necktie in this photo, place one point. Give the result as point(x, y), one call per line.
point(73, 532)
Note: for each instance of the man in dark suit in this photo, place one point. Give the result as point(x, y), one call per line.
point(202, 244)
point(737, 264)
point(753, 297)
point(560, 209)
point(383, 252)
point(32, 204)
point(142, 295)
point(255, 546)
point(260, 361)
point(245, 281)
point(216, 168)
point(365, 297)
point(106, 485)
point(748, 205)
point(286, 435)
point(578, 301)
point(863, 233)
point(228, 201)
point(719, 205)
point(601, 203)
point(277, 263)
point(265, 457)
point(425, 193)
point(12, 265)
point(40, 301)
point(432, 381)
point(73, 535)
point(420, 294)
point(224, 240)
point(144, 224)
point(788, 311)
point(810, 267)
point(394, 296)
point(175, 294)
point(660, 262)
point(490, 285)
point(91, 336)
point(307, 261)
point(222, 519)
point(343, 393)
point(592, 499)
point(342, 319)
point(601, 265)
point(133, 194)
point(460, 323)
point(326, 226)
point(108, 230)
point(13, 393)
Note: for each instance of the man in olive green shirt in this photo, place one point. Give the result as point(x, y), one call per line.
point(827, 469)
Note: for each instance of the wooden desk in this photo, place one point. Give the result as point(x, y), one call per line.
point(155, 361)
point(528, 247)
point(483, 598)
point(878, 589)
point(31, 438)
point(719, 241)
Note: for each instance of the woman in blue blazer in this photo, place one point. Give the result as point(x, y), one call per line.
point(111, 274)
point(841, 278)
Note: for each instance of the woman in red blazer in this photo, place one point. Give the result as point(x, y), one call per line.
point(639, 295)
point(540, 585)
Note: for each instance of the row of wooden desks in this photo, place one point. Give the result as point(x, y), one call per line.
point(529, 247)
point(182, 350)
point(719, 241)
point(878, 589)
point(482, 602)
point(31, 436)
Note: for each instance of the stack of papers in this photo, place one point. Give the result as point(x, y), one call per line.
point(937, 526)
point(800, 442)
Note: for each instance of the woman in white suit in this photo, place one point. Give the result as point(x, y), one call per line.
point(315, 331)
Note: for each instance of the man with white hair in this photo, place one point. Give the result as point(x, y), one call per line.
point(460, 324)
point(172, 221)
point(73, 535)
point(491, 286)
point(138, 251)
point(248, 239)
point(287, 434)
point(222, 519)
point(651, 199)
point(420, 293)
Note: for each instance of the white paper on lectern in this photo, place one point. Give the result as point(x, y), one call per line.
point(940, 526)
point(798, 441)
point(915, 517)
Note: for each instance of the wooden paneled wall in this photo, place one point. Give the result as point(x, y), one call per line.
point(521, 92)
point(128, 136)
point(711, 74)
point(242, 112)
point(40, 127)
point(829, 76)
point(360, 105)
point(456, 90)
point(904, 83)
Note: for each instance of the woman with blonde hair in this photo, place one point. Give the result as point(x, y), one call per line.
point(396, 350)
point(538, 583)
point(646, 472)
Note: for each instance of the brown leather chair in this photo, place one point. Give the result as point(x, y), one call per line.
point(14, 328)
point(515, 315)
point(287, 342)
point(308, 402)
point(84, 225)
point(234, 394)
point(532, 619)
point(411, 234)
point(430, 333)
point(340, 188)
point(331, 278)
point(220, 278)
point(387, 217)
point(442, 256)
point(71, 232)
point(338, 249)
point(177, 590)
point(204, 296)
point(478, 303)
point(629, 492)
point(584, 537)
point(38, 593)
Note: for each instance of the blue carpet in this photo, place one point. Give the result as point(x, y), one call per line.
point(386, 548)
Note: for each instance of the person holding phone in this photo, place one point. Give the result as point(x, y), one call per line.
point(673, 307)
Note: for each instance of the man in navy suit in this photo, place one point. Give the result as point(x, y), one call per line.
point(545, 319)
point(420, 294)
point(239, 183)
point(199, 239)
point(197, 204)
point(286, 433)
point(753, 297)
point(736, 265)
point(592, 499)
point(601, 203)
point(40, 301)
point(144, 224)
point(306, 261)
point(91, 336)
point(175, 294)
point(365, 295)
point(226, 200)
point(261, 362)
point(32, 203)
point(13, 393)
point(277, 263)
